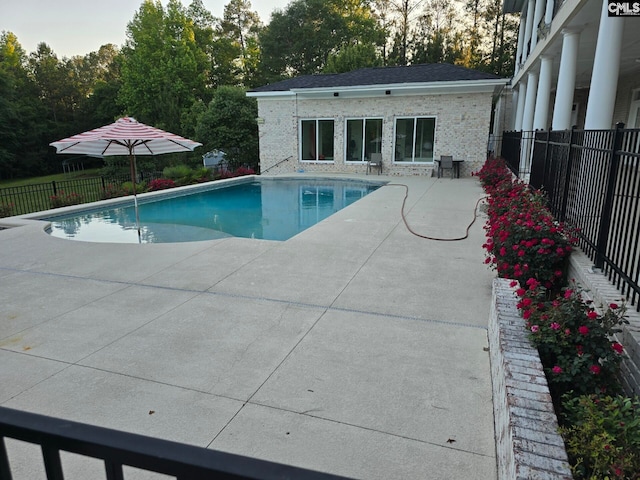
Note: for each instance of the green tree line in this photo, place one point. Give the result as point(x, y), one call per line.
point(183, 70)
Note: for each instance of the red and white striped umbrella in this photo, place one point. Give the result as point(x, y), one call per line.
point(124, 137)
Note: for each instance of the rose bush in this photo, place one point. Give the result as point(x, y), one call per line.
point(523, 239)
point(63, 199)
point(576, 343)
point(161, 184)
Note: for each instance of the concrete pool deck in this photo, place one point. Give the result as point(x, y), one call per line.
point(355, 348)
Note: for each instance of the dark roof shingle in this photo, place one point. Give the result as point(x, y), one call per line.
point(423, 73)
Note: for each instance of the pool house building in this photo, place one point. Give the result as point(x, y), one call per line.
point(410, 115)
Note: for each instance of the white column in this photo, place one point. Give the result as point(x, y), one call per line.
point(541, 114)
point(548, 13)
point(530, 101)
point(515, 95)
point(604, 79)
point(522, 95)
point(521, 28)
point(566, 81)
point(527, 32)
point(539, 11)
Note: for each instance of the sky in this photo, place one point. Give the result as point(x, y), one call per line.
point(78, 27)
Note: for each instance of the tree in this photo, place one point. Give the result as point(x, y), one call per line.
point(435, 39)
point(353, 57)
point(101, 107)
point(24, 126)
point(229, 124)
point(163, 69)
point(301, 39)
point(401, 15)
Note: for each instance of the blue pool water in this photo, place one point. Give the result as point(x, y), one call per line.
point(270, 209)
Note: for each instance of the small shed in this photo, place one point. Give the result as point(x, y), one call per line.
point(215, 159)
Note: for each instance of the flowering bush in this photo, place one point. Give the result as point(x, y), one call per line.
point(574, 340)
point(238, 172)
point(602, 436)
point(6, 210)
point(161, 184)
point(112, 191)
point(493, 173)
point(523, 239)
point(579, 355)
point(63, 199)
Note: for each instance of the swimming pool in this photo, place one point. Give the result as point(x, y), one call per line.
point(265, 208)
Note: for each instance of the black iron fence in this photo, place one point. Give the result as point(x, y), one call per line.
point(43, 196)
point(592, 179)
point(117, 449)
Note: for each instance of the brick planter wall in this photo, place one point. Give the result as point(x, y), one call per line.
point(527, 440)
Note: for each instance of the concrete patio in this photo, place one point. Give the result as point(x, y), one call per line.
point(355, 348)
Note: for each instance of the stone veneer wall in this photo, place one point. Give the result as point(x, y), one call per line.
point(462, 128)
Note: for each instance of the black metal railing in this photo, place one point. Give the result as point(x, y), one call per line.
point(510, 150)
point(276, 164)
point(25, 199)
point(117, 449)
point(592, 180)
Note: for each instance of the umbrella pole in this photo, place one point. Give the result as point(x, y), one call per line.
point(132, 166)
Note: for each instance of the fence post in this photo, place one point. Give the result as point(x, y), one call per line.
point(547, 161)
point(567, 178)
point(55, 190)
point(605, 218)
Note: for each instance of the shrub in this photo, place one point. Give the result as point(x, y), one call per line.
point(112, 191)
point(602, 436)
point(523, 239)
point(180, 174)
point(574, 340)
point(63, 199)
point(203, 174)
point(6, 210)
point(161, 184)
point(238, 172)
point(127, 187)
point(493, 172)
point(579, 357)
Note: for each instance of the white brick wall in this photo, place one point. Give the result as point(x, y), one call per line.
point(462, 129)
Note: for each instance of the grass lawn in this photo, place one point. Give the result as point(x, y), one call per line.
point(58, 177)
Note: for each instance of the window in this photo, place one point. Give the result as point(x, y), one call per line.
point(414, 139)
point(364, 137)
point(316, 141)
